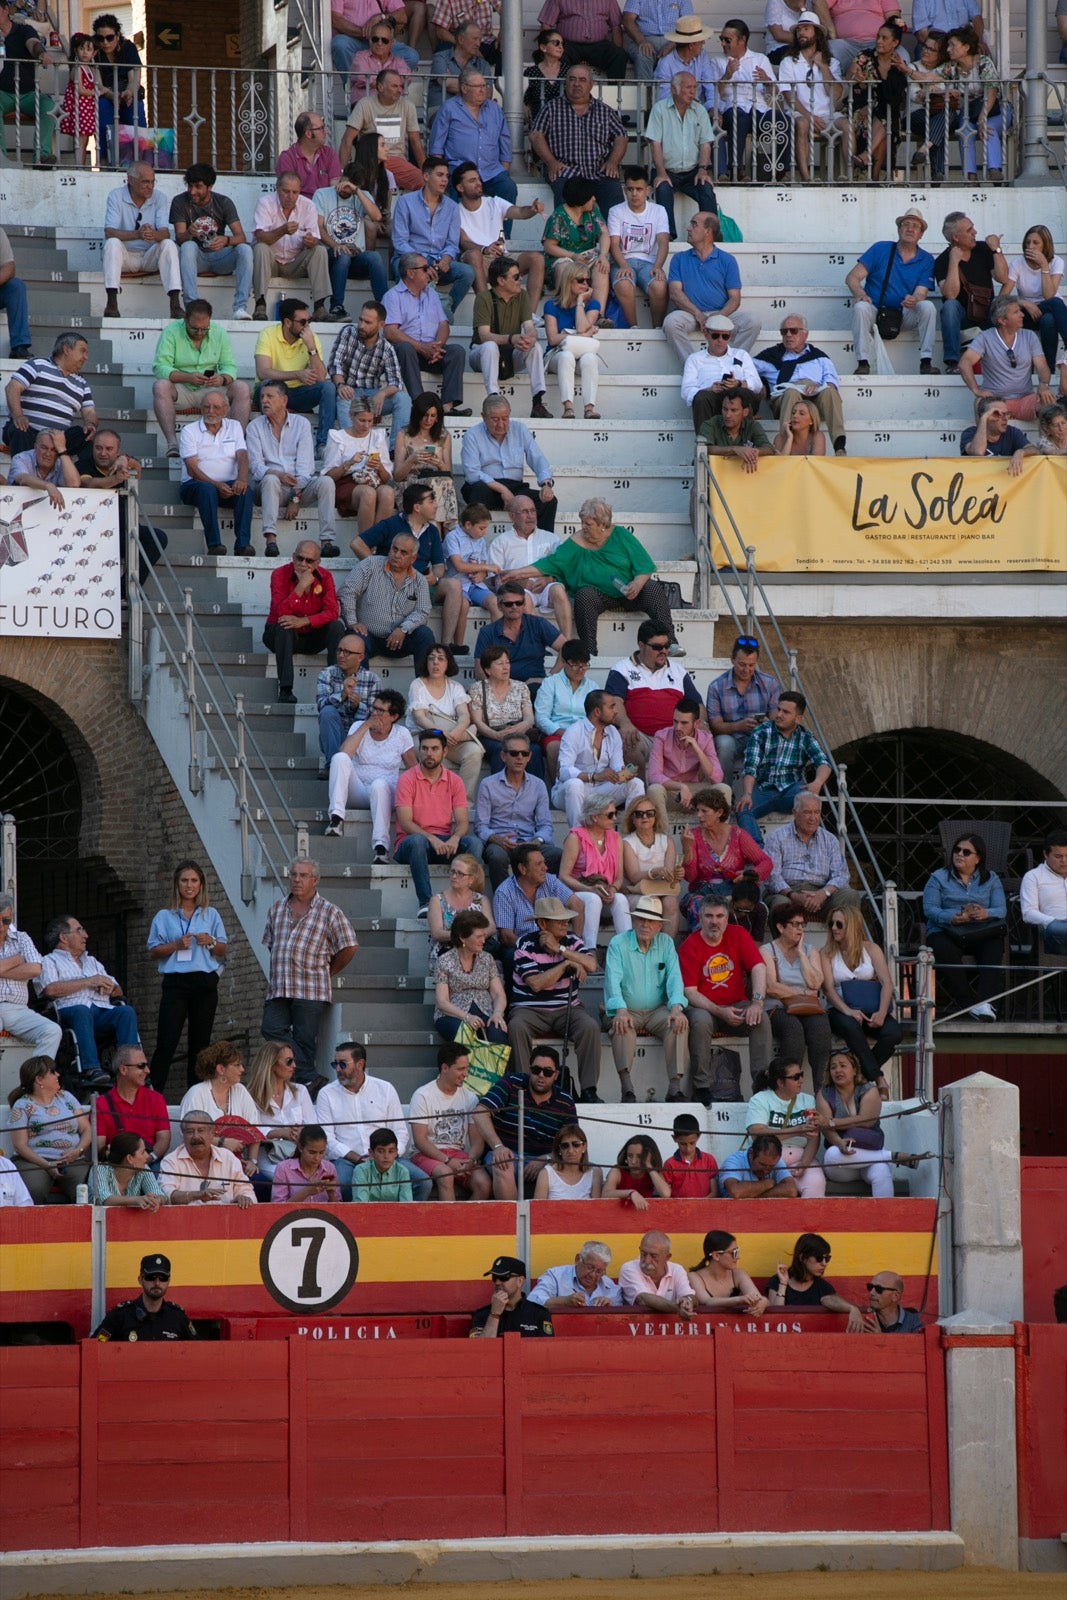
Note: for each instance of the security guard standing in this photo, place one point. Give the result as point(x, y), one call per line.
point(509, 1311)
point(150, 1317)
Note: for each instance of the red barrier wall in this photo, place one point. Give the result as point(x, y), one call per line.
point(1044, 1205)
point(1041, 1430)
point(457, 1438)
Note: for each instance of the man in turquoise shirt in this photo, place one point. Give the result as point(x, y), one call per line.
point(644, 993)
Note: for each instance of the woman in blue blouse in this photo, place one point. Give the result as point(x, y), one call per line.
point(189, 942)
point(124, 1179)
point(965, 910)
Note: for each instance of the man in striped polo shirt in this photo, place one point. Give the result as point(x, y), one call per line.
point(49, 392)
point(551, 965)
point(546, 1108)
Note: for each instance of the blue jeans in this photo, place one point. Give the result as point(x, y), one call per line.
point(306, 396)
point(363, 264)
point(106, 121)
point(333, 731)
point(421, 1184)
point(417, 644)
point(295, 1022)
point(414, 852)
point(235, 258)
point(954, 319)
point(114, 1024)
point(459, 276)
point(687, 183)
point(398, 409)
point(205, 497)
point(764, 800)
point(1054, 935)
point(13, 299)
point(1050, 327)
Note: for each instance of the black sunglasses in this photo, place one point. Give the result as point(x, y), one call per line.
point(542, 1072)
point(156, 1277)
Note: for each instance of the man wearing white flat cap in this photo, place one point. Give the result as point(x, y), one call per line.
point(719, 369)
point(906, 273)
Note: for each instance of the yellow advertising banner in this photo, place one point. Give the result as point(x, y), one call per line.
point(841, 515)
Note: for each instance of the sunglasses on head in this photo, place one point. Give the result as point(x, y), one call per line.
point(745, 642)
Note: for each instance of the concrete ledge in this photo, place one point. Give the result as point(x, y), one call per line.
point(151, 1568)
point(1043, 1555)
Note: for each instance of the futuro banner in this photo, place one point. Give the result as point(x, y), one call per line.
point(59, 566)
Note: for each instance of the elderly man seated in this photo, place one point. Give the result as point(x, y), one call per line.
point(281, 460)
point(304, 614)
point(577, 136)
point(711, 374)
point(49, 392)
point(88, 1000)
point(793, 370)
point(47, 465)
point(20, 964)
point(679, 133)
point(720, 963)
point(202, 1173)
point(344, 693)
point(591, 759)
point(287, 244)
point(702, 280)
point(418, 330)
point(644, 994)
point(757, 1172)
point(654, 1282)
point(1010, 357)
point(194, 354)
point(550, 967)
point(581, 1286)
point(885, 1313)
point(387, 600)
point(809, 865)
point(137, 238)
point(524, 544)
point(494, 454)
point(898, 275)
point(215, 471)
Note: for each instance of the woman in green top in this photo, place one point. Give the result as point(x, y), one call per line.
point(602, 566)
point(576, 231)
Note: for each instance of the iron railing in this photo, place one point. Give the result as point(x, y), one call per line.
point(240, 118)
point(733, 565)
point(216, 716)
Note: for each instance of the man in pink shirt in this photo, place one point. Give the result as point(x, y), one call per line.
point(432, 816)
point(856, 23)
point(683, 759)
point(350, 24)
point(592, 32)
point(313, 158)
point(654, 1282)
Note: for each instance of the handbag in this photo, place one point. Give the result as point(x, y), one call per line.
point(861, 994)
point(979, 298)
point(489, 1061)
point(805, 1003)
point(866, 1138)
point(888, 319)
point(969, 938)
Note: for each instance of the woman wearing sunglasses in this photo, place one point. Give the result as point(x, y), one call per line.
point(965, 913)
point(781, 1106)
point(567, 1174)
point(859, 992)
point(804, 1282)
point(119, 67)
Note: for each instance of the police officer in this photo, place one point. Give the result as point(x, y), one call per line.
point(509, 1311)
point(150, 1316)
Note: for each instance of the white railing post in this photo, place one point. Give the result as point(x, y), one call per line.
point(195, 775)
point(750, 588)
point(842, 801)
point(132, 556)
point(303, 841)
point(924, 1025)
point(8, 842)
point(248, 888)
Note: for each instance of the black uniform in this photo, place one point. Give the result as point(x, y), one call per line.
point(531, 1320)
point(130, 1323)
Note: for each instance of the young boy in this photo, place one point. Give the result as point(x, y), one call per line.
point(690, 1172)
point(381, 1178)
point(746, 907)
point(640, 238)
point(465, 548)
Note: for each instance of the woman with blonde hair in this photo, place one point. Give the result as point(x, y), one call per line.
point(283, 1107)
point(465, 892)
point(650, 858)
point(848, 1106)
point(800, 434)
point(188, 941)
point(859, 993)
point(572, 317)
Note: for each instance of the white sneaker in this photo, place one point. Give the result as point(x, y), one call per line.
point(244, 315)
point(984, 1011)
point(334, 828)
point(422, 913)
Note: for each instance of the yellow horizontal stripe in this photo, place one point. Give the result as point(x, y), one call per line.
point(399, 1259)
point(35, 1268)
point(854, 1254)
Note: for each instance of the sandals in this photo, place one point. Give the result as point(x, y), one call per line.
point(592, 414)
point(568, 411)
point(901, 1160)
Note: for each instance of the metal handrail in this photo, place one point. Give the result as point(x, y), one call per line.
point(258, 804)
point(749, 583)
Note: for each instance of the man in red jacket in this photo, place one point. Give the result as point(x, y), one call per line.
point(719, 964)
point(304, 614)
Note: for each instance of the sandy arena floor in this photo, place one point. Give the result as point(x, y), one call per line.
point(970, 1583)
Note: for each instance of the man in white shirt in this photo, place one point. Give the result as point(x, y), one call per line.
point(215, 468)
point(640, 234)
point(524, 545)
point(720, 369)
point(352, 1107)
point(591, 760)
point(1044, 895)
point(13, 1192)
point(583, 1286)
point(482, 233)
point(744, 77)
point(20, 963)
point(137, 238)
point(448, 1145)
point(654, 1282)
point(87, 999)
point(281, 463)
point(285, 228)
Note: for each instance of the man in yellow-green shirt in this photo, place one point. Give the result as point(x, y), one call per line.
point(289, 351)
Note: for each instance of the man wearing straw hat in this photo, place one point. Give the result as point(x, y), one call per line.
point(688, 37)
point(550, 967)
point(906, 273)
point(644, 994)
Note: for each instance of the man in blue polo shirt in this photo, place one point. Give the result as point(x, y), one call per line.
point(758, 1173)
point(525, 636)
point(703, 279)
point(907, 275)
